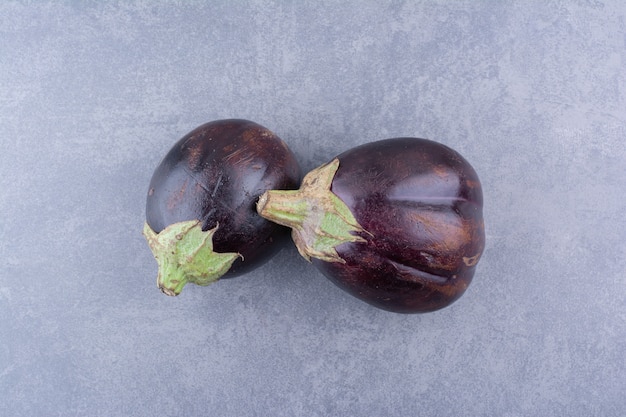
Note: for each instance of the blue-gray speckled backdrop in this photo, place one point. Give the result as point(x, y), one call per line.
point(92, 95)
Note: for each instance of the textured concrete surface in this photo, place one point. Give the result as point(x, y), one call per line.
point(92, 94)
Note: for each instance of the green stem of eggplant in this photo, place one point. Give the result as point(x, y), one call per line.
point(319, 220)
point(184, 253)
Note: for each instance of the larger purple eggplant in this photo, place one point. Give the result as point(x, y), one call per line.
point(397, 223)
point(201, 222)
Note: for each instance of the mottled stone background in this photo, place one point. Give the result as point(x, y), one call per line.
point(92, 95)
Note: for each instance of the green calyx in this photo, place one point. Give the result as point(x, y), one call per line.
point(319, 220)
point(185, 254)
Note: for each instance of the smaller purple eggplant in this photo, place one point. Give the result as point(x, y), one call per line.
point(201, 222)
point(397, 223)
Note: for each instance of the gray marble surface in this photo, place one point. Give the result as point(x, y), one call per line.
point(92, 95)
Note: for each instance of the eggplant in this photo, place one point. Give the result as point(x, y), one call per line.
point(201, 222)
point(396, 223)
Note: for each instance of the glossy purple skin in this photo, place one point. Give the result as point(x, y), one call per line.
point(216, 174)
point(422, 204)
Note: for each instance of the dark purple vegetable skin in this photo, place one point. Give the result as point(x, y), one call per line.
point(421, 203)
point(215, 174)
